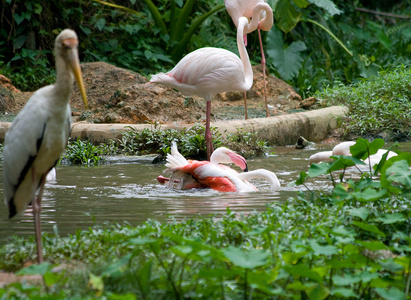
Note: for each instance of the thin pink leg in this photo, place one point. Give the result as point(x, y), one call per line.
point(245, 105)
point(209, 141)
point(263, 65)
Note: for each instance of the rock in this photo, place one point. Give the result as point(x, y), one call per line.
point(6, 100)
point(308, 103)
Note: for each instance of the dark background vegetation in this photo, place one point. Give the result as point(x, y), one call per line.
point(133, 40)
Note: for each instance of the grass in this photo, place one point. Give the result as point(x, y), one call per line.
point(380, 106)
point(350, 242)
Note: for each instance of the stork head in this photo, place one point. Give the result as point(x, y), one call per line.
point(66, 47)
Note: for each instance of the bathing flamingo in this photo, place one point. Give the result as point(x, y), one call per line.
point(254, 9)
point(212, 174)
point(208, 71)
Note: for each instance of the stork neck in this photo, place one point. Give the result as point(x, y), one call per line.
point(248, 72)
point(64, 78)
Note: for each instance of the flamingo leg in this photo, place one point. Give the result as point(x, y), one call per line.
point(36, 214)
point(245, 105)
point(209, 141)
point(263, 65)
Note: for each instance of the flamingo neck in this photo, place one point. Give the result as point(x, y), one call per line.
point(266, 23)
point(248, 72)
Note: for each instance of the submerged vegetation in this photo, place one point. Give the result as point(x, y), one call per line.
point(351, 242)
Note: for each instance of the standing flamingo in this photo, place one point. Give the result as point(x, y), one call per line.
point(254, 9)
point(208, 71)
point(212, 174)
point(39, 134)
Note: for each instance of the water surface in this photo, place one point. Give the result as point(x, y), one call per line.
point(129, 192)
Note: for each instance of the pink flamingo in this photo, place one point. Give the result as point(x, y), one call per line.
point(187, 174)
point(208, 71)
point(254, 9)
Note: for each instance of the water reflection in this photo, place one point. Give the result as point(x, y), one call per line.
point(129, 192)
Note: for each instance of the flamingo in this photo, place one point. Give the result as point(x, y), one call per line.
point(344, 149)
point(208, 71)
point(39, 134)
point(212, 174)
point(254, 9)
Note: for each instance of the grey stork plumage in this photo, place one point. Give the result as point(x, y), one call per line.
point(39, 134)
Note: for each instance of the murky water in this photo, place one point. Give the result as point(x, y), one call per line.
point(129, 192)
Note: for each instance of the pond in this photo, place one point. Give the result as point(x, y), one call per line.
point(127, 191)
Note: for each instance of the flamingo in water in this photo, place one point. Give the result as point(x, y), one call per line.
point(39, 134)
point(187, 174)
point(254, 9)
point(208, 71)
point(343, 148)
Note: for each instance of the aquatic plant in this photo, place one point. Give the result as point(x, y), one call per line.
point(350, 242)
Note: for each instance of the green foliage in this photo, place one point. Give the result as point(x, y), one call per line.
point(335, 33)
point(378, 105)
point(350, 242)
point(190, 141)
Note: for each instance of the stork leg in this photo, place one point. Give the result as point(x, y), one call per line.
point(36, 214)
point(263, 65)
point(208, 138)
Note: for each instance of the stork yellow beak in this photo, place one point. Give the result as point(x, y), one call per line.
point(74, 61)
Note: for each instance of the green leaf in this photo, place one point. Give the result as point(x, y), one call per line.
point(96, 282)
point(302, 271)
point(323, 250)
point(363, 148)
point(328, 5)
point(373, 245)
point(369, 227)
point(399, 172)
point(117, 266)
point(247, 260)
point(18, 18)
point(100, 24)
point(19, 42)
point(317, 292)
point(319, 169)
point(343, 292)
point(391, 218)
point(361, 212)
point(391, 294)
point(287, 60)
point(301, 3)
point(301, 178)
point(286, 15)
point(369, 194)
point(40, 269)
point(347, 279)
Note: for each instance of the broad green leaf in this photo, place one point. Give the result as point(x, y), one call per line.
point(247, 260)
point(363, 148)
point(138, 241)
point(40, 269)
point(319, 169)
point(369, 227)
point(328, 5)
point(340, 193)
point(390, 294)
point(317, 292)
point(287, 60)
point(347, 279)
point(369, 195)
point(286, 15)
point(391, 218)
point(384, 174)
point(117, 266)
point(96, 282)
point(367, 276)
point(100, 24)
point(19, 41)
point(302, 271)
point(301, 3)
point(399, 172)
point(323, 250)
point(391, 265)
point(361, 212)
point(373, 245)
point(343, 292)
point(341, 230)
point(342, 161)
point(301, 178)
point(144, 276)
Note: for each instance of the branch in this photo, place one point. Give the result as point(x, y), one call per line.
point(382, 13)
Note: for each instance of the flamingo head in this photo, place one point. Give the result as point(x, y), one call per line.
point(227, 156)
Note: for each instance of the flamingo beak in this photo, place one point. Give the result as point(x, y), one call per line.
point(239, 161)
point(74, 62)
